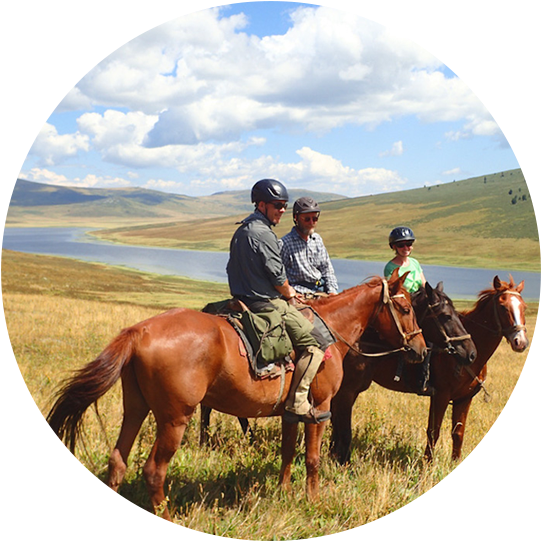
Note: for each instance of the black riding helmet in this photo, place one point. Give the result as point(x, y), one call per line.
point(269, 190)
point(399, 234)
point(304, 205)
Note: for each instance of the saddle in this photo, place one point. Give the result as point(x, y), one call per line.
point(263, 339)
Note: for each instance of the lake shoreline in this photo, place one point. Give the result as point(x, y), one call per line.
point(76, 243)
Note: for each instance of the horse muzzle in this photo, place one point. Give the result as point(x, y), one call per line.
point(518, 341)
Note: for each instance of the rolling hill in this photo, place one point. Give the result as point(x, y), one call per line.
point(38, 204)
point(486, 221)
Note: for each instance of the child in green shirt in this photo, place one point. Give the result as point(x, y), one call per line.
point(401, 240)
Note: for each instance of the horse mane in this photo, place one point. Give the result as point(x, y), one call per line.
point(488, 294)
point(371, 281)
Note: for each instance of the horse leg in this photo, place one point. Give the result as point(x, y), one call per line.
point(341, 407)
point(204, 425)
point(438, 406)
point(289, 442)
point(460, 414)
point(313, 437)
point(135, 411)
point(169, 436)
point(246, 428)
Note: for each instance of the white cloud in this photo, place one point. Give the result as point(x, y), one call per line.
point(43, 175)
point(114, 128)
point(206, 79)
point(314, 171)
point(53, 148)
point(196, 93)
point(456, 171)
point(90, 181)
point(396, 150)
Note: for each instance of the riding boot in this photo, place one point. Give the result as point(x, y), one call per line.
point(298, 408)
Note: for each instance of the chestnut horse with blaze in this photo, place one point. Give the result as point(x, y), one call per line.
point(174, 361)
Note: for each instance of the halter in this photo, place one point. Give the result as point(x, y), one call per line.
point(500, 330)
point(511, 329)
point(448, 340)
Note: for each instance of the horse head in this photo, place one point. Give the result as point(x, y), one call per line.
point(397, 316)
point(441, 323)
point(509, 308)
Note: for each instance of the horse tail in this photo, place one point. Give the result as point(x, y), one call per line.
point(89, 384)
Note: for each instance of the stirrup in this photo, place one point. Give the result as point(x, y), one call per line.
point(313, 416)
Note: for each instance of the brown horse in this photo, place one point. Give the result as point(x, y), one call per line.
point(172, 362)
point(499, 312)
point(443, 331)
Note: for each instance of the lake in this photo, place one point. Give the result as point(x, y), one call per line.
point(459, 283)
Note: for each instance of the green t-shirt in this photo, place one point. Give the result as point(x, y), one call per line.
point(414, 279)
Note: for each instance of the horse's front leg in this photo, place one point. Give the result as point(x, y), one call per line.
point(342, 407)
point(460, 414)
point(438, 406)
point(289, 442)
point(314, 437)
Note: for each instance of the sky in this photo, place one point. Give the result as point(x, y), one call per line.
point(316, 97)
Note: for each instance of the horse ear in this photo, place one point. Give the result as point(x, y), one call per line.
point(429, 290)
point(402, 279)
point(394, 275)
point(520, 287)
point(497, 283)
point(439, 287)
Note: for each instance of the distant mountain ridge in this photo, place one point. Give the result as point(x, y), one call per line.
point(34, 203)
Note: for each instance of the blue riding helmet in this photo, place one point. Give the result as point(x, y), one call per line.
point(399, 234)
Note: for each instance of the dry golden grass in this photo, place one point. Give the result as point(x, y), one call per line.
point(231, 489)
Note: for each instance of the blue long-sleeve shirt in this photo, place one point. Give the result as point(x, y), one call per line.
point(255, 265)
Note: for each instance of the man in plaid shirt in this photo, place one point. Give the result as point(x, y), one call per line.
point(308, 265)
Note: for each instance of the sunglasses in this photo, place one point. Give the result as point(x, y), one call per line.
point(307, 219)
point(278, 205)
point(407, 243)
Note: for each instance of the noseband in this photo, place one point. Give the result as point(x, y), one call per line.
point(448, 340)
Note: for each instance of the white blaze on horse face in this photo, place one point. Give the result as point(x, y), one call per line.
point(515, 303)
point(518, 341)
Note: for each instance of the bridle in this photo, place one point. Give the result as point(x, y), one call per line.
point(500, 330)
point(508, 331)
point(387, 301)
point(448, 340)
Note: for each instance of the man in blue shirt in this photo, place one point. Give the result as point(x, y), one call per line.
point(307, 262)
point(257, 277)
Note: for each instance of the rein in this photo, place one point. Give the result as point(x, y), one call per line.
point(386, 301)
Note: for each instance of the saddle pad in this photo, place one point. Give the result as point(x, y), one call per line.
point(230, 311)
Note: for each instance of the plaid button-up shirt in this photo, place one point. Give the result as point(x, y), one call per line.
point(308, 265)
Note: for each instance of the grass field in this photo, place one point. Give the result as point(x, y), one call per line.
point(60, 314)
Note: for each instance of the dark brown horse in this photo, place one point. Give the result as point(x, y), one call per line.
point(443, 331)
point(499, 312)
point(172, 362)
